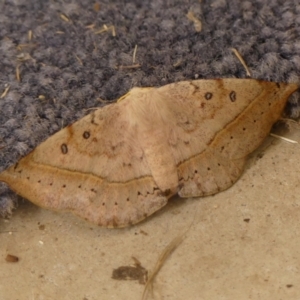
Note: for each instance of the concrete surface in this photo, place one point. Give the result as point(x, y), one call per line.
point(243, 244)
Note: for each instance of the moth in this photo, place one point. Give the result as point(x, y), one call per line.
point(121, 163)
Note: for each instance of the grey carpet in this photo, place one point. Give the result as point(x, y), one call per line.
point(68, 67)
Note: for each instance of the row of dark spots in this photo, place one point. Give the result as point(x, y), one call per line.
point(116, 203)
point(208, 169)
point(51, 183)
point(64, 185)
point(64, 147)
point(244, 129)
point(127, 199)
point(92, 190)
point(196, 171)
point(209, 95)
point(232, 96)
point(231, 137)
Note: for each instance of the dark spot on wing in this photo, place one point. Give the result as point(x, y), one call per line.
point(64, 148)
point(86, 135)
point(232, 96)
point(208, 96)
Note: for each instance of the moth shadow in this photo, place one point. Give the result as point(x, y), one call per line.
point(280, 128)
point(25, 209)
point(174, 205)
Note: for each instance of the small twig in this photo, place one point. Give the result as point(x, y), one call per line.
point(79, 60)
point(64, 17)
point(29, 35)
point(18, 73)
point(5, 92)
point(164, 256)
point(177, 63)
point(197, 23)
point(41, 97)
point(91, 26)
point(128, 67)
point(134, 54)
point(283, 138)
point(20, 47)
point(23, 56)
point(104, 29)
point(107, 28)
point(237, 54)
point(91, 108)
point(134, 65)
point(113, 30)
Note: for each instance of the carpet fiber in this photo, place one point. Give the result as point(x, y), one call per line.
point(60, 58)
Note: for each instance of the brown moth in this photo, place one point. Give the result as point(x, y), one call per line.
point(121, 163)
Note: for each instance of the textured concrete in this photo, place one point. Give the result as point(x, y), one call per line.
point(243, 244)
